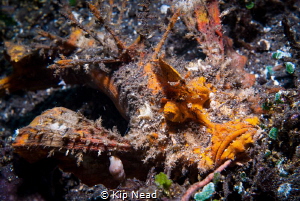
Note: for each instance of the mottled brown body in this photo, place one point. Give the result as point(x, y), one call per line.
point(168, 113)
point(79, 145)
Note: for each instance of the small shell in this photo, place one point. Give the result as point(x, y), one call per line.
point(116, 168)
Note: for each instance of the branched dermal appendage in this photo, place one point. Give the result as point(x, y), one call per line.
point(97, 14)
point(69, 15)
point(129, 51)
point(127, 54)
point(58, 40)
point(164, 37)
point(70, 63)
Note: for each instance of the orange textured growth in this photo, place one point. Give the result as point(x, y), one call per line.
point(152, 138)
point(208, 16)
point(65, 63)
point(209, 25)
point(16, 52)
point(228, 141)
point(27, 73)
point(21, 140)
point(202, 17)
point(5, 83)
point(188, 102)
point(153, 82)
point(74, 36)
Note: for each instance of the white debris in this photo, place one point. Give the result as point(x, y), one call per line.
point(76, 15)
point(86, 68)
point(62, 83)
point(284, 189)
point(186, 5)
point(58, 127)
point(191, 67)
point(164, 9)
point(145, 112)
point(267, 29)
